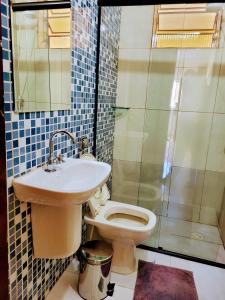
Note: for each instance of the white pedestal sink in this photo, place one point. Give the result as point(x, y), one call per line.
point(56, 203)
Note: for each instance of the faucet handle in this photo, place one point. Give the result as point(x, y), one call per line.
point(60, 159)
point(84, 144)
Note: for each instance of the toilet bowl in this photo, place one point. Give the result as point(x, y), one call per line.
point(125, 226)
point(122, 225)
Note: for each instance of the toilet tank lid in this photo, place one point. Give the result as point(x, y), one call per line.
point(96, 252)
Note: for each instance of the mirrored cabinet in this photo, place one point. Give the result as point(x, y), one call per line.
point(41, 41)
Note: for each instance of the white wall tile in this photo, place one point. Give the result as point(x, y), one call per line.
point(164, 79)
point(220, 99)
point(136, 26)
point(192, 138)
point(201, 58)
point(132, 77)
point(125, 181)
point(216, 155)
point(128, 135)
point(198, 91)
point(159, 131)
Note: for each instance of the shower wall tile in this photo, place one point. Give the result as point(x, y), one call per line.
point(220, 99)
point(151, 173)
point(213, 193)
point(136, 27)
point(202, 58)
point(164, 79)
point(199, 87)
point(154, 240)
point(187, 212)
point(153, 188)
point(185, 193)
point(125, 181)
point(132, 77)
point(159, 133)
point(216, 153)
point(128, 135)
point(222, 220)
point(192, 138)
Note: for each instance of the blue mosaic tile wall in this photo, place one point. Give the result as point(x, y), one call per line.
point(108, 65)
point(27, 136)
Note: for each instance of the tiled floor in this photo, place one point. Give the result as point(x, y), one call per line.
point(190, 238)
point(210, 281)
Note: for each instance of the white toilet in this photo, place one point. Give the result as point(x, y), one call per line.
point(123, 225)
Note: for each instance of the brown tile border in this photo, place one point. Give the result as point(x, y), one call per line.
point(4, 290)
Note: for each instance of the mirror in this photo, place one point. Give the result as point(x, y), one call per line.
point(42, 60)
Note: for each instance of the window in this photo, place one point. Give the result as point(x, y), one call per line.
point(187, 26)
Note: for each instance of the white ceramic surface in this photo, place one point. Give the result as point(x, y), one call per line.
point(73, 183)
point(136, 20)
point(191, 152)
point(124, 235)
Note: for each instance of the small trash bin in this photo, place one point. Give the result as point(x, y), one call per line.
point(95, 270)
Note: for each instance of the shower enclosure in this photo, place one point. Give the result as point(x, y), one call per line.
point(169, 135)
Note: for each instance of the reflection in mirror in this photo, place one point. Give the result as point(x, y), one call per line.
point(187, 26)
point(42, 60)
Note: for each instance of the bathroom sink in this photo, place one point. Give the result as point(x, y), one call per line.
point(73, 183)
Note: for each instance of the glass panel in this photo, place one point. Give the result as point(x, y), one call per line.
point(168, 152)
point(157, 153)
point(42, 60)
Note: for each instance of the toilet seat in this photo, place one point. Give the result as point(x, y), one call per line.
point(123, 225)
point(147, 218)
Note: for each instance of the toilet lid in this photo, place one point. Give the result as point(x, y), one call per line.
point(101, 196)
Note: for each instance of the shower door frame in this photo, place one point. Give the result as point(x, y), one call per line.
point(109, 3)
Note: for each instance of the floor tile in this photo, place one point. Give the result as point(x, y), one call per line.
point(74, 266)
point(65, 288)
point(121, 293)
point(162, 259)
point(127, 281)
point(145, 255)
point(180, 263)
point(209, 282)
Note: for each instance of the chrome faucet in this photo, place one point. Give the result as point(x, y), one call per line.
point(51, 159)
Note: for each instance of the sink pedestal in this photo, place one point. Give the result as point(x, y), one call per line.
point(56, 230)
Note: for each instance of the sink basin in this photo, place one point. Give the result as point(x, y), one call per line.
point(73, 183)
point(56, 198)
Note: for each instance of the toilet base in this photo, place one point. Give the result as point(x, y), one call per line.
point(124, 260)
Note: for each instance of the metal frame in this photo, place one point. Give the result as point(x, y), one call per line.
point(108, 3)
point(97, 81)
point(149, 2)
point(57, 4)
